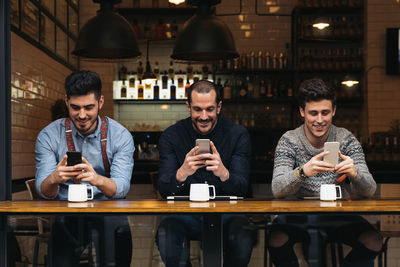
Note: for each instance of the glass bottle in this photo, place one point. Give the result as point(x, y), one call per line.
point(140, 90)
point(156, 90)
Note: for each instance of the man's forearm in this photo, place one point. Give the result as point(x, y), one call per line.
point(49, 187)
point(107, 186)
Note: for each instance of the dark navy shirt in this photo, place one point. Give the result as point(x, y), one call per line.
point(233, 144)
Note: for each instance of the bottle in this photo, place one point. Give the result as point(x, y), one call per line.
point(269, 89)
point(140, 90)
point(168, 31)
point(156, 91)
point(123, 89)
point(252, 60)
point(281, 61)
point(187, 85)
point(263, 89)
point(267, 60)
point(148, 92)
point(140, 70)
point(165, 93)
point(227, 89)
point(242, 89)
point(132, 91)
point(180, 90)
point(250, 88)
point(260, 60)
point(172, 89)
point(274, 61)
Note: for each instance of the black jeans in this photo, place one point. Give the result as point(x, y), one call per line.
point(175, 232)
point(341, 228)
point(70, 235)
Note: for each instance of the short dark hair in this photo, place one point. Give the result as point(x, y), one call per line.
point(315, 90)
point(82, 83)
point(204, 86)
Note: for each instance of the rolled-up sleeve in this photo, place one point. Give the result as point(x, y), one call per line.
point(122, 163)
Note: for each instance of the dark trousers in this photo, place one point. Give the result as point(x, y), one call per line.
point(340, 228)
point(70, 235)
point(175, 232)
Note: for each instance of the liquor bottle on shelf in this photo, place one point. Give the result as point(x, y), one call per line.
point(281, 61)
point(187, 85)
point(227, 94)
point(196, 77)
point(165, 92)
point(219, 86)
point(180, 89)
point(148, 90)
point(242, 89)
point(260, 60)
point(250, 88)
point(269, 89)
point(172, 88)
point(123, 90)
point(268, 61)
point(156, 90)
point(140, 90)
point(274, 61)
point(263, 89)
point(252, 63)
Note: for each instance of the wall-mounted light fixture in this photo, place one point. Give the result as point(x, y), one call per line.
point(107, 36)
point(176, 2)
point(204, 37)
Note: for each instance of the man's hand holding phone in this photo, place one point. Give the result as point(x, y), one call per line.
point(200, 157)
point(67, 169)
point(316, 165)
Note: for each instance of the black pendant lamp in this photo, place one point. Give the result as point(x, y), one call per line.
point(107, 36)
point(204, 37)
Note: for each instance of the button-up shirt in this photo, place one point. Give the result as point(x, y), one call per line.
point(51, 146)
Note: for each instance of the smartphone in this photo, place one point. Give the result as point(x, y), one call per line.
point(204, 146)
point(333, 156)
point(74, 157)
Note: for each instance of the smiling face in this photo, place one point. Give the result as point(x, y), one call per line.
point(317, 120)
point(83, 111)
point(204, 111)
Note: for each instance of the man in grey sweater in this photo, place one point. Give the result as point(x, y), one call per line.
point(299, 170)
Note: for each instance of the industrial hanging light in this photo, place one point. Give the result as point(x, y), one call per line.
point(107, 36)
point(204, 37)
point(148, 75)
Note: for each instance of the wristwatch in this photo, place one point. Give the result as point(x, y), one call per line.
point(301, 173)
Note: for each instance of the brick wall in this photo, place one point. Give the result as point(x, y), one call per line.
point(37, 81)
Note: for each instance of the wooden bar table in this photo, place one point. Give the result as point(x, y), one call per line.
point(212, 212)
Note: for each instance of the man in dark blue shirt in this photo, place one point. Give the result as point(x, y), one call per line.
point(227, 168)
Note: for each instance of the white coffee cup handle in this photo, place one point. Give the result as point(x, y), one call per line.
point(213, 189)
point(91, 192)
point(340, 192)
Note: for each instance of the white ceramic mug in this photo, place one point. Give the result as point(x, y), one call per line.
point(79, 192)
point(201, 192)
point(330, 192)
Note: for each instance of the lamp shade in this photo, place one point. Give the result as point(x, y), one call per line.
point(204, 38)
point(108, 35)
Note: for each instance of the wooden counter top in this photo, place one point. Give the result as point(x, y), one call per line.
point(162, 207)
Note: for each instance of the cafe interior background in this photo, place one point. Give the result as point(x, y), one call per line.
point(278, 47)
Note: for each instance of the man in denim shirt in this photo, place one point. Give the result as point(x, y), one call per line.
point(83, 127)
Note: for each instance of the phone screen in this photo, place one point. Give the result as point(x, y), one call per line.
point(74, 157)
point(333, 156)
point(204, 146)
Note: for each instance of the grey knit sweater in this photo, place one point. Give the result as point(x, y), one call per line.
point(294, 150)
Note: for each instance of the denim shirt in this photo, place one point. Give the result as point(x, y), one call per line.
point(51, 146)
